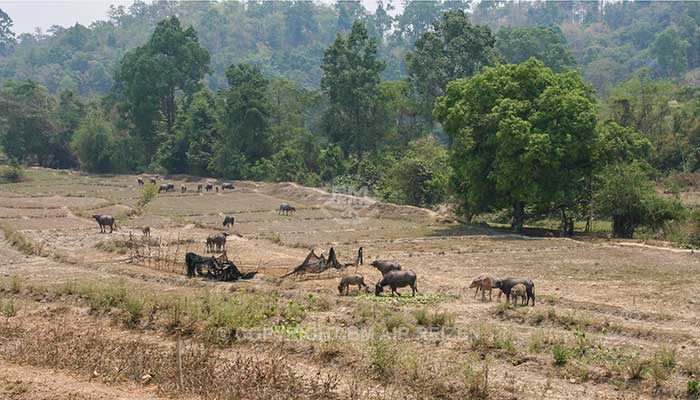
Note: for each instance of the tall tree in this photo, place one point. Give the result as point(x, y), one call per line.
point(670, 51)
point(28, 122)
point(150, 77)
point(351, 83)
point(455, 48)
point(523, 136)
point(245, 134)
point(546, 43)
point(7, 37)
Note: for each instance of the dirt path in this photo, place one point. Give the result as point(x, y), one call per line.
point(30, 383)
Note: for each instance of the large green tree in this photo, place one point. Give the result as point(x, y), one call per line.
point(7, 37)
point(454, 48)
point(524, 137)
point(546, 43)
point(245, 136)
point(28, 122)
point(354, 117)
point(670, 51)
point(151, 77)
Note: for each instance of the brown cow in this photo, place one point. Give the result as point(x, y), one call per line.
point(483, 282)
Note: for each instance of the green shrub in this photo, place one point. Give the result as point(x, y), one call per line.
point(560, 353)
point(150, 192)
point(434, 319)
point(693, 389)
point(11, 174)
point(635, 367)
point(8, 309)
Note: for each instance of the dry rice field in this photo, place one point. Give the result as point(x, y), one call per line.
point(82, 318)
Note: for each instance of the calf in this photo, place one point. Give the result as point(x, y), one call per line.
point(228, 221)
point(386, 266)
point(397, 279)
point(139, 181)
point(348, 280)
point(146, 231)
point(483, 282)
point(219, 241)
point(183, 188)
point(519, 291)
point(506, 286)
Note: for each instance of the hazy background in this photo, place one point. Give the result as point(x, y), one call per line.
point(29, 14)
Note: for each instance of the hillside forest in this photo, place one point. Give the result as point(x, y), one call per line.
point(545, 112)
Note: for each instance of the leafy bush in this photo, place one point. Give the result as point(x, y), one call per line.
point(560, 353)
point(627, 196)
point(12, 173)
point(150, 192)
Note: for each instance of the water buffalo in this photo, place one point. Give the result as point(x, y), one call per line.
point(285, 208)
point(386, 266)
point(104, 221)
point(506, 286)
point(163, 188)
point(228, 186)
point(217, 241)
point(209, 187)
point(483, 282)
point(152, 180)
point(397, 279)
point(171, 187)
point(229, 221)
point(348, 280)
point(139, 181)
point(183, 188)
point(146, 231)
point(199, 188)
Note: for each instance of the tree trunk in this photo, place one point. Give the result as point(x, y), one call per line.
point(564, 222)
point(518, 216)
point(622, 227)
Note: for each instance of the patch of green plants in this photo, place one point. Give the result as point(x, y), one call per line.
point(419, 299)
point(434, 319)
point(560, 354)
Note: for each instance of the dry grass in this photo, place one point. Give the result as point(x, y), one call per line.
point(204, 372)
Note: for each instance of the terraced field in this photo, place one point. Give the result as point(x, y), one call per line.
point(613, 320)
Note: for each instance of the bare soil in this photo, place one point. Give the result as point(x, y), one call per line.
point(625, 299)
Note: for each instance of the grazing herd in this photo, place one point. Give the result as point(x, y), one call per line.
point(392, 274)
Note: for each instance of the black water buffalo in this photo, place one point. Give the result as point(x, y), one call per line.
point(146, 231)
point(171, 187)
point(397, 279)
point(139, 181)
point(506, 285)
point(163, 188)
point(183, 188)
point(209, 187)
point(229, 220)
point(285, 208)
point(228, 186)
point(104, 221)
point(386, 266)
point(152, 180)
